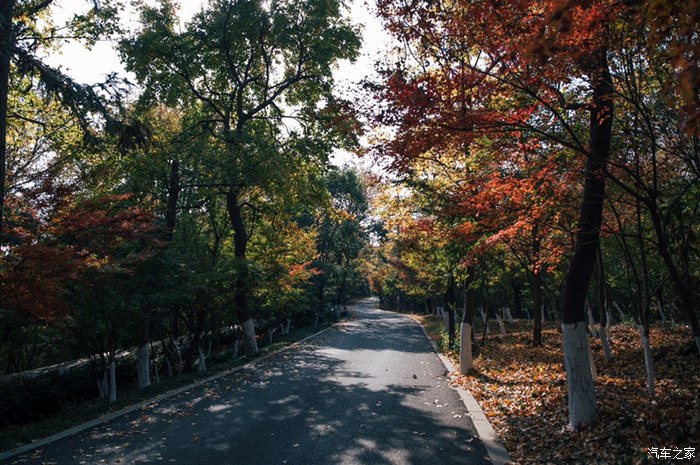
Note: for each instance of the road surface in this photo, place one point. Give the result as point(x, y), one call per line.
point(368, 391)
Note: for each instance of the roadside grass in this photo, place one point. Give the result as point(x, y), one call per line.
point(77, 413)
point(523, 391)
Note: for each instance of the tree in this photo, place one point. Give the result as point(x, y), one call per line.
point(343, 232)
point(21, 38)
point(249, 67)
point(474, 79)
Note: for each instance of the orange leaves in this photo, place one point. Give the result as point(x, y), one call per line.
point(522, 389)
point(59, 244)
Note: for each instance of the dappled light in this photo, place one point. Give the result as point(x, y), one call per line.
point(222, 250)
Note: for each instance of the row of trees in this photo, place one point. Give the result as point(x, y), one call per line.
point(197, 204)
point(542, 146)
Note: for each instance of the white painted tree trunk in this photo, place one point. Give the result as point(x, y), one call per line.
point(169, 366)
point(112, 381)
point(673, 310)
point(178, 354)
point(591, 321)
point(317, 317)
point(581, 390)
point(527, 312)
point(594, 371)
point(501, 325)
point(250, 342)
point(648, 362)
point(288, 326)
point(619, 311)
point(609, 319)
point(143, 372)
point(697, 343)
point(236, 346)
point(544, 316)
point(507, 315)
point(660, 308)
point(605, 340)
point(466, 362)
point(202, 360)
point(483, 314)
point(156, 370)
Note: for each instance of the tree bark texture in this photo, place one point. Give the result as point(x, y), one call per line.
point(240, 239)
point(582, 402)
point(466, 362)
point(582, 399)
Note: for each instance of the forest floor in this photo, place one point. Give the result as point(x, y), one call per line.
point(522, 390)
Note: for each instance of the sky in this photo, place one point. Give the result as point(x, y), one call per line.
point(91, 66)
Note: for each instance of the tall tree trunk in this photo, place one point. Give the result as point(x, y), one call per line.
point(645, 302)
point(603, 306)
point(6, 42)
point(581, 390)
point(536, 288)
point(240, 240)
point(536, 283)
point(450, 302)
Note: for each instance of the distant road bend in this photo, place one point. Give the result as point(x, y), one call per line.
point(368, 391)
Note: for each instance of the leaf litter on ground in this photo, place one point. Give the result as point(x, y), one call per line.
point(522, 390)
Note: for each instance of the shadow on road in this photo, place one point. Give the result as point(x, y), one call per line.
point(301, 407)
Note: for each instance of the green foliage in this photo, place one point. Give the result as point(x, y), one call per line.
point(342, 235)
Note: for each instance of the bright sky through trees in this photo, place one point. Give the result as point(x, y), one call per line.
point(90, 66)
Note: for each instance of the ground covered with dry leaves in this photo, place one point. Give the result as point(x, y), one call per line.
point(522, 389)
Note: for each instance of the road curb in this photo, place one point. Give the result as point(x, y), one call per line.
point(166, 395)
point(494, 447)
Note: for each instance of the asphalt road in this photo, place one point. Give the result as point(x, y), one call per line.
point(368, 391)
